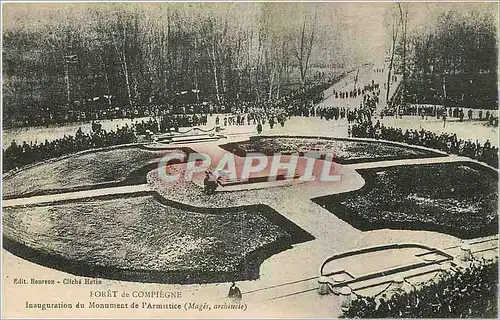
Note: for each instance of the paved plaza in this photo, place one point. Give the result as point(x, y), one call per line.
point(288, 280)
point(250, 160)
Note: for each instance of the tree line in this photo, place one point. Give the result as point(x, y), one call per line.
point(451, 60)
point(129, 55)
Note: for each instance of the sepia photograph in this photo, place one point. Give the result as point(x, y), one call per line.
point(249, 159)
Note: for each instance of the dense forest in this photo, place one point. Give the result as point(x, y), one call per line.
point(77, 58)
point(131, 55)
point(451, 60)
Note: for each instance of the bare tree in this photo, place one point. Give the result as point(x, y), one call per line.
point(209, 32)
point(119, 37)
point(143, 55)
point(405, 25)
point(395, 30)
point(305, 45)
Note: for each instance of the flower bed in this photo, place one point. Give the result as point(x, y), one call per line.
point(82, 171)
point(138, 238)
point(343, 150)
point(454, 198)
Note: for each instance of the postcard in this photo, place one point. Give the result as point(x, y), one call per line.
point(249, 160)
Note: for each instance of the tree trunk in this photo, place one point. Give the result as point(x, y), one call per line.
point(127, 80)
point(271, 84)
point(123, 63)
point(393, 49)
point(214, 66)
point(107, 80)
point(256, 87)
point(405, 23)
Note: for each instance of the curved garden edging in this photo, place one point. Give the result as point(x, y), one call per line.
point(396, 143)
point(135, 176)
point(65, 156)
point(358, 217)
point(378, 248)
point(247, 269)
point(430, 153)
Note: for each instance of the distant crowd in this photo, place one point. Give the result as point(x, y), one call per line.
point(293, 101)
point(17, 155)
point(469, 293)
point(440, 112)
point(302, 102)
point(276, 111)
point(368, 103)
point(448, 143)
point(168, 123)
point(370, 93)
point(272, 112)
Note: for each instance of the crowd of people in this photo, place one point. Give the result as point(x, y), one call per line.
point(446, 142)
point(48, 116)
point(276, 111)
point(439, 112)
point(336, 113)
point(302, 102)
point(17, 155)
point(458, 89)
point(468, 293)
point(368, 103)
point(293, 100)
point(273, 112)
point(254, 117)
point(368, 92)
point(173, 122)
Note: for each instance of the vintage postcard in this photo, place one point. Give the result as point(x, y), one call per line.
point(249, 160)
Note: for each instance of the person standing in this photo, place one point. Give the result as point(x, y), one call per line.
point(487, 144)
point(234, 293)
point(383, 309)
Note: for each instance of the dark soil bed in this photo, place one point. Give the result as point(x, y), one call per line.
point(344, 151)
point(84, 171)
point(459, 199)
point(139, 238)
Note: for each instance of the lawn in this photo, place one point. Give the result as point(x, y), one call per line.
point(343, 150)
point(102, 168)
point(139, 238)
point(459, 199)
